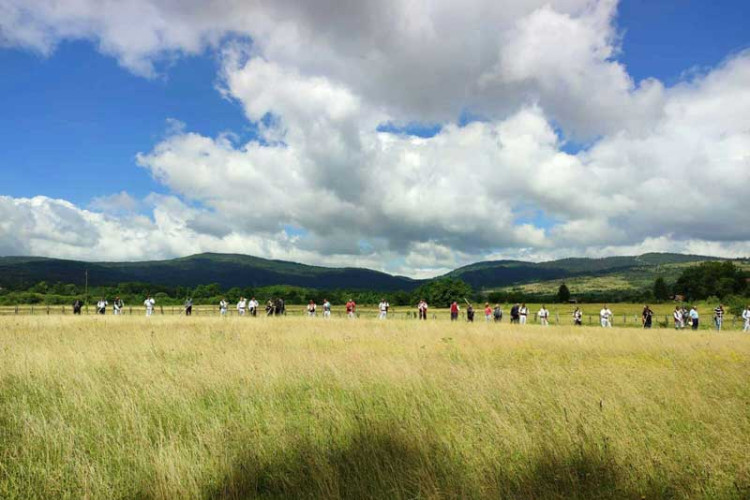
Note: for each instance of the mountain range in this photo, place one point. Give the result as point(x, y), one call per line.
point(230, 270)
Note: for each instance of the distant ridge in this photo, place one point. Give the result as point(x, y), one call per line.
point(230, 270)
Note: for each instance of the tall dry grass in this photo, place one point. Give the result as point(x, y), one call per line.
point(174, 407)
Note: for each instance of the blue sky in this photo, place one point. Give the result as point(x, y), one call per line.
point(86, 90)
point(72, 122)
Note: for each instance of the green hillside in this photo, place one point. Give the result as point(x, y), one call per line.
point(228, 270)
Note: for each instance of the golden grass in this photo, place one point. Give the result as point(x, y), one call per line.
point(175, 407)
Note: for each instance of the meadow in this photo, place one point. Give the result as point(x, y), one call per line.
point(174, 407)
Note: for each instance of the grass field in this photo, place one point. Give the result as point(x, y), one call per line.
point(174, 407)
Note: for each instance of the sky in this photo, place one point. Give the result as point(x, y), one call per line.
point(409, 137)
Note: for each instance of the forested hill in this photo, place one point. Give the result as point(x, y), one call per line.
point(228, 270)
point(501, 273)
point(231, 270)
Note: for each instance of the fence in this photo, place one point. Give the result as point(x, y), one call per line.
point(624, 320)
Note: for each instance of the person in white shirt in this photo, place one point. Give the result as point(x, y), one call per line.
point(326, 308)
point(101, 306)
point(252, 306)
point(149, 303)
point(544, 316)
point(311, 308)
point(383, 307)
point(117, 306)
point(678, 319)
point(241, 306)
point(605, 316)
point(523, 312)
point(422, 308)
point(746, 317)
point(223, 305)
point(578, 317)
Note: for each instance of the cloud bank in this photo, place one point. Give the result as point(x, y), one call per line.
point(668, 169)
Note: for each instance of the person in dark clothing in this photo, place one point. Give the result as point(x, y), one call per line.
point(470, 314)
point(77, 306)
point(497, 313)
point(514, 314)
point(189, 307)
point(647, 316)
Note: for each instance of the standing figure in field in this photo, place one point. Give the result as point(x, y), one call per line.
point(544, 316)
point(326, 308)
point(101, 306)
point(694, 318)
point(269, 308)
point(746, 317)
point(454, 311)
point(383, 308)
point(241, 306)
point(578, 317)
point(279, 307)
point(189, 307)
point(685, 316)
point(351, 309)
point(253, 307)
point(487, 312)
point(470, 313)
point(223, 305)
point(523, 313)
point(149, 303)
point(311, 308)
point(422, 309)
point(117, 306)
point(605, 317)
point(678, 320)
point(497, 313)
point(719, 316)
point(77, 306)
point(647, 316)
point(515, 315)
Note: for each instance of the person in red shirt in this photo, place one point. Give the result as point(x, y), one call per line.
point(487, 312)
point(351, 309)
point(454, 311)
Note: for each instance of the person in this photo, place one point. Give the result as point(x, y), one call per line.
point(544, 316)
point(719, 316)
point(677, 315)
point(578, 317)
point(189, 307)
point(270, 308)
point(77, 306)
point(241, 306)
point(351, 309)
point(117, 306)
point(454, 311)
point(383, 308)
point(253, 307)
point(487, 312)
point(746, 317)
point(514, 314)
point(326, 308)
point(223, 305)
point(311, 308)
point(497, 313)
point(647, 316)
point(470, 313)
point(523, 313)
point(279, 307)
point(685, 316)
point(101, 306)
point(422, 309)
point(693, 318)
point(149, 303)
point(605, 316)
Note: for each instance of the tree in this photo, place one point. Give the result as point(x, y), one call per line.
point(563, 294)
point(661, 292)
point(711, 278)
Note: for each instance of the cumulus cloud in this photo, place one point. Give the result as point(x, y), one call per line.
point(668, 168)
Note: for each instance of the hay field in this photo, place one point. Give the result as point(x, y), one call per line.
point(175, 407)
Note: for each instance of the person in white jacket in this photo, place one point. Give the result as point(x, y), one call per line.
point(223, 305)
point(543, 316)
point(678, 319)
point(149, 303)
point(523, 313)
point(383, 308)
point(746, 317)
point(605, 316)
point(241, 306)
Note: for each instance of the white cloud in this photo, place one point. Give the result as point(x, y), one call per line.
point(668, 168)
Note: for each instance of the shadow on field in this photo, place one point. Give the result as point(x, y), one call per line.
point(387, 464)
